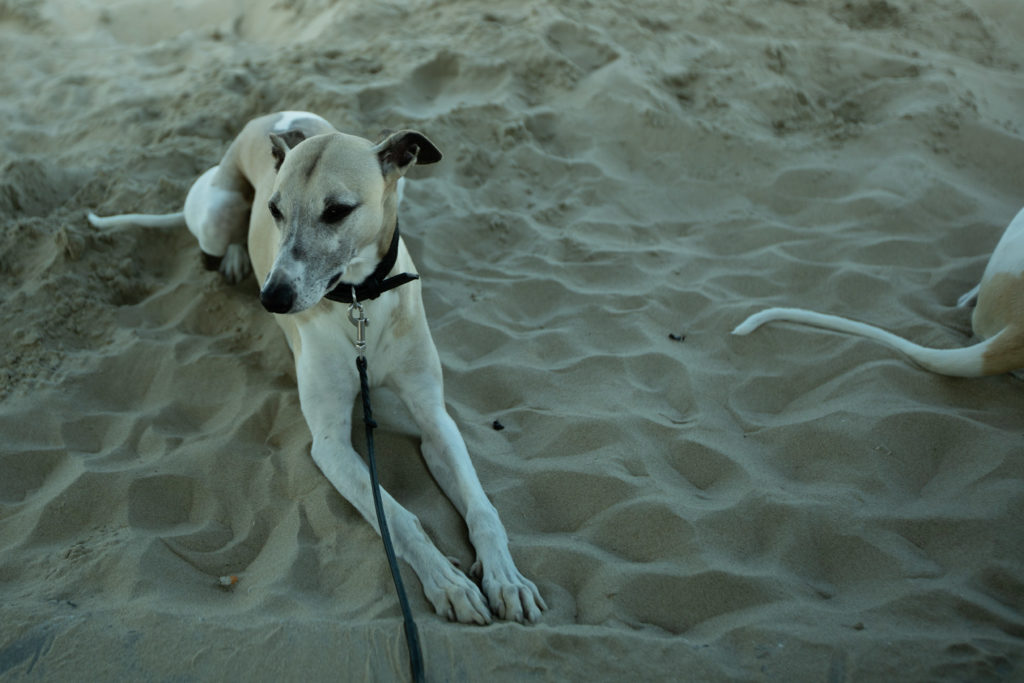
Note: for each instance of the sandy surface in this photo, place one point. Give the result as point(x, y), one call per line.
point(793, 505)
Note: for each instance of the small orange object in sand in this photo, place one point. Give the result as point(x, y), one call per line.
point(227, 582)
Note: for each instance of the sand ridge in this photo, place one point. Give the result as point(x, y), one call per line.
point(791, 505)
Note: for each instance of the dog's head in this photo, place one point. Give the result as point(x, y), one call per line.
point(334, 204)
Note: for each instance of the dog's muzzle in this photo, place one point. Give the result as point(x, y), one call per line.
point(278, 297)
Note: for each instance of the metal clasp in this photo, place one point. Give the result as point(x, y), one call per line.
point(357, 318)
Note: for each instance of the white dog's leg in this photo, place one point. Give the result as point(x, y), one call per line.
point(217, 214)
point(510, 594)
point(327, 387)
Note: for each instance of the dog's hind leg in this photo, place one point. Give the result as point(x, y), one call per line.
point(217, 213)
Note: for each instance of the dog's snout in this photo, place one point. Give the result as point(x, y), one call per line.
point(278, 297)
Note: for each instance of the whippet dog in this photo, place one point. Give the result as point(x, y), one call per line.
point(322, 214)
point(998, 318)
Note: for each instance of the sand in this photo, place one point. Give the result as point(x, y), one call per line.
point(793, 505)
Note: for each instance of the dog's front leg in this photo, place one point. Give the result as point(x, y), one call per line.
point(510, 594)
point(326, 392)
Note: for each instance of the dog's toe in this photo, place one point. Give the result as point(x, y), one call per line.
point(467, 606)
point(533, 603)
point(523, 604)
point(512, 596)
point(457, 598)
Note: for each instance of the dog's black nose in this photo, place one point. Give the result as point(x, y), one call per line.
point(277, 298)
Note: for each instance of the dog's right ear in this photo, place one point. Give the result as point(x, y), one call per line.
point(278, 147)
point(398, 151)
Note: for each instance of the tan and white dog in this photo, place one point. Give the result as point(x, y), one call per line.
point(998, 318)
point(324, 212)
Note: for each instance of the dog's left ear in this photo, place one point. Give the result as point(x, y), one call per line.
point(284, 143)
point(399, 151)
point(278, 147)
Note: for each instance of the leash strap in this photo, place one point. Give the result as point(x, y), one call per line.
point(412, 639)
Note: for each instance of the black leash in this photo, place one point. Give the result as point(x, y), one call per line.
point(412, 639)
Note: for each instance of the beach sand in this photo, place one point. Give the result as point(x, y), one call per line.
point(795, 505)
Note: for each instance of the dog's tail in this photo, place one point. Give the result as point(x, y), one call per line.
point(146, 220)
point(971, 361)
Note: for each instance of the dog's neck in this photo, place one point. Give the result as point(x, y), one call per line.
point(377, 282)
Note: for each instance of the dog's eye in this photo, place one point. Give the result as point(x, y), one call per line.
point(335, 213)
point(274, 211)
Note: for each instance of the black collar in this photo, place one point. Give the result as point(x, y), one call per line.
point(376, 282)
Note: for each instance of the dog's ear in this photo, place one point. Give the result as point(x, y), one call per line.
point(278, 147)
point(400, 150)
point(284, 143)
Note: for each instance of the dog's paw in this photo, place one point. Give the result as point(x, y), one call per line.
point(510, 594)
point(455, 597)
point(235, 267)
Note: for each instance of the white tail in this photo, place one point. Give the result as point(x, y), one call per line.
point(146, 220)
point(965, 362)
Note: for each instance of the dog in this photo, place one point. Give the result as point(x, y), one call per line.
point(998, 318)
point(319, 211)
